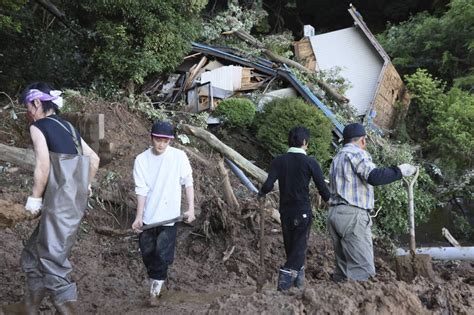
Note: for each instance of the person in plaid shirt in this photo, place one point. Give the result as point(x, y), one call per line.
point(352, 177)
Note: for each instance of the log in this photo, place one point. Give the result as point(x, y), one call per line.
point(24, 158)
point(254, 171)
point(340, 99)
point(449, 237)
point(228, 192)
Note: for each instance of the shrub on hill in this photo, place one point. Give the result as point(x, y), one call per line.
point(236, 112)
point(280, 115)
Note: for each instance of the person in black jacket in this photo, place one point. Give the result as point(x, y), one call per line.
point(294, 171)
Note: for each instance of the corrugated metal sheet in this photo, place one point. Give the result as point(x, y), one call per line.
point(360, 63)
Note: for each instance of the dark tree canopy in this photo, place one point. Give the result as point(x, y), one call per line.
point(107, 42)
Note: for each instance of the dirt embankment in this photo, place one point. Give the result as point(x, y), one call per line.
point(205, 277)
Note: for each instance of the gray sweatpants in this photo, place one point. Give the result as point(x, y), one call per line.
point(350, 229)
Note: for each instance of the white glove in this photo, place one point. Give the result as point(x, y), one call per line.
point(407, 169)
point(34, 205)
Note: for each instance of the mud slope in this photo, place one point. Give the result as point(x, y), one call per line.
point(205, 277)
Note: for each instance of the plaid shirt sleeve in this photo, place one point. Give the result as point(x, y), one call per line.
point(362, 164)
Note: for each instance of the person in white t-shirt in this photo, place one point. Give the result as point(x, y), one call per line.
point(159, 174)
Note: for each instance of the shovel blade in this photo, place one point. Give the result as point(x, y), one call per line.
point(410, 266)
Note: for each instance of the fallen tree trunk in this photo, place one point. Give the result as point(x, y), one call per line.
point(449, 237)
point(254, 171)
point(24, 158)
point(340, 99)
point(228, 192)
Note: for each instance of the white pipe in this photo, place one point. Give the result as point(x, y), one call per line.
point(442, 253)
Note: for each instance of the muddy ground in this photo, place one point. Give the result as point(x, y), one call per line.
point(217, 258)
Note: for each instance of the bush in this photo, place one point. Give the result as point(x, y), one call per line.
point(236, 112)
point(442, 122)
point(280, 115)
point(393, 198)
point(440, 43)
point(451, 130)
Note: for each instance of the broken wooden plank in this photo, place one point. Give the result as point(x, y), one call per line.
point(194, 72)
point(192, 56)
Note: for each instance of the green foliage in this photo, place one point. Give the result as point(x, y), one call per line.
point(8, 10)
point(236, 112)
point(39, 49)
point(393, 198)
point(282, 114)
point(247, 19)
point(444, 45)
point(344, 114)
point(452, 130)
point(128, 40)
point(281, 44)
point(426, 95)
point(320, 217)
point(111, 177)
point(110, 43)
point(234, 18)
point(462, 227)
point(199, 120)
point(442, 122)
point(148, 110)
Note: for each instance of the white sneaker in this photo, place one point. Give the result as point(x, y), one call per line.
point(155, 287)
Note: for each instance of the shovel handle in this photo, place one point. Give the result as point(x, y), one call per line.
point(261, 277)
point(174, 220)
point(411, 208)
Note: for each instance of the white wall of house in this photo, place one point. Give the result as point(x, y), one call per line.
point(360, 63)
point(228, 77)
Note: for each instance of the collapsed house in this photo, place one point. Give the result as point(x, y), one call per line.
point(210, 74)
point(377, 92)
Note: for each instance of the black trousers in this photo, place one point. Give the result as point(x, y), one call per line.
point(158, 246)
point(295, 227)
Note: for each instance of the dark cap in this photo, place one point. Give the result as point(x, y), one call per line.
point(353, 131)
point(162, 129)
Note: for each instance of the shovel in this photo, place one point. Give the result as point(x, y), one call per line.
point(412, 265)
point(107, 231)
point(261, 276)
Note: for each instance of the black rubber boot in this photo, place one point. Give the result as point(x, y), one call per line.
point(299, 281)
point(286, 278)
point(65, 308)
